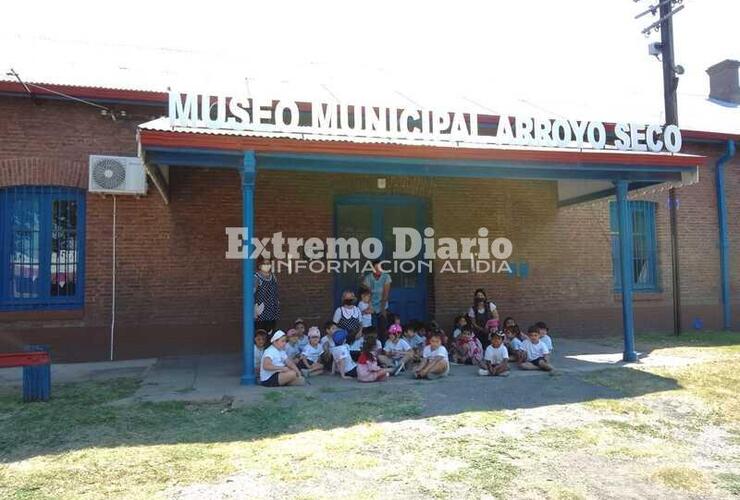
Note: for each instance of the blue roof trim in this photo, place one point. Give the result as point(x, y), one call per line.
point(416, 167)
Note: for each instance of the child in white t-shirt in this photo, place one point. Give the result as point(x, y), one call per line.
point(496, 357)
point(544, 335)
point(356, 342)
point(435, 361)
point(300, 327)
point(397, 349)
point(416, 341)
point(461, 322)
point(346, 366)
point(292, 348)
point(276, 368)
point(536, 352)
point(514, 342)
point(327, 343)
point(365, 307)
point(311, 354)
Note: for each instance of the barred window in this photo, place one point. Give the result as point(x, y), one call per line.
point(41, 247)
point(644, 248)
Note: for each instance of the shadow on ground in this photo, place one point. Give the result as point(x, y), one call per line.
point(199, 400)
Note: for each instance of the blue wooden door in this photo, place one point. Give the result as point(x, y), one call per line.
point(363, 216)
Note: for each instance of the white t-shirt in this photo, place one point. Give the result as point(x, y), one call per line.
point(496, 355)
point(341, 352)
point(547, 340)
point(278, 359)
point(399, 346)
point(440, 352)
point(292, 350)
point(366, 318)
point(491, 307)
point(357, 344)
point(313, 353)
point(517, 344)
point(534, 351)
point(258, 351)
point(347, 313)
point(327, 342)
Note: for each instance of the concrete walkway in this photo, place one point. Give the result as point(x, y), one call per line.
point(215, 377)
point(76, 372)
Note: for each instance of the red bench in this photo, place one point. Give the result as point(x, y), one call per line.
point(15, 359)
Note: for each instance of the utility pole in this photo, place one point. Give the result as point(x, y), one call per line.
point(670, 80)
point(670, 85)
point(666, 11)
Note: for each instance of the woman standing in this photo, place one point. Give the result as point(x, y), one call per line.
point(379, 283)
point(479, 314)
point(266, 296)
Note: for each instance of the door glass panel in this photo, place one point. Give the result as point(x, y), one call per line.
point(398, 216)
point(353, 221)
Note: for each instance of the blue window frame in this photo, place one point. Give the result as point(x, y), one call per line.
point(644, 249)
point(42, 248)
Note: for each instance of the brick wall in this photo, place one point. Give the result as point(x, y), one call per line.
point(176, 292)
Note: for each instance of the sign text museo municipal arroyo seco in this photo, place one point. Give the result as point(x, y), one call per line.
point(383, 122)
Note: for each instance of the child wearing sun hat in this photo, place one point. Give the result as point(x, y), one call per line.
point(310, 360)
point(276, 368)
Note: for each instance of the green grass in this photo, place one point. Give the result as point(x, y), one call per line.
point(621, 406)
point(80, 444)
point(681, 478)
point(730, 482)
point(87, 443)
point(83, 444)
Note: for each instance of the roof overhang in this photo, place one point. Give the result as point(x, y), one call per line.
point(581, 174)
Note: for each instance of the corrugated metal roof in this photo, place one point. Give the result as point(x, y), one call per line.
point(137, 68)
point(163, 125)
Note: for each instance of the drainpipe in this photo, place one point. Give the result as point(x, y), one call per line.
point(724, 246)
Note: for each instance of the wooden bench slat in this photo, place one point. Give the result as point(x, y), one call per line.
point(15, 359)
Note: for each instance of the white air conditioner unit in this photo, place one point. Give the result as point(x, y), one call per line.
point(117, 175)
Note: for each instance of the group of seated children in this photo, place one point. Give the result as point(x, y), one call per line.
point(424, 350)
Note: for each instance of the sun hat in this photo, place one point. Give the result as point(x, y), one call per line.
point(492, 323)
point(298, 321)
point(339, 337)
point(277, 335)
point(314, 332)
point(292, 332)
point(394, 328)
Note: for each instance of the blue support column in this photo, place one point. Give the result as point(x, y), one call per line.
point(624, 218)
point(248, 174)
point(724, 240)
